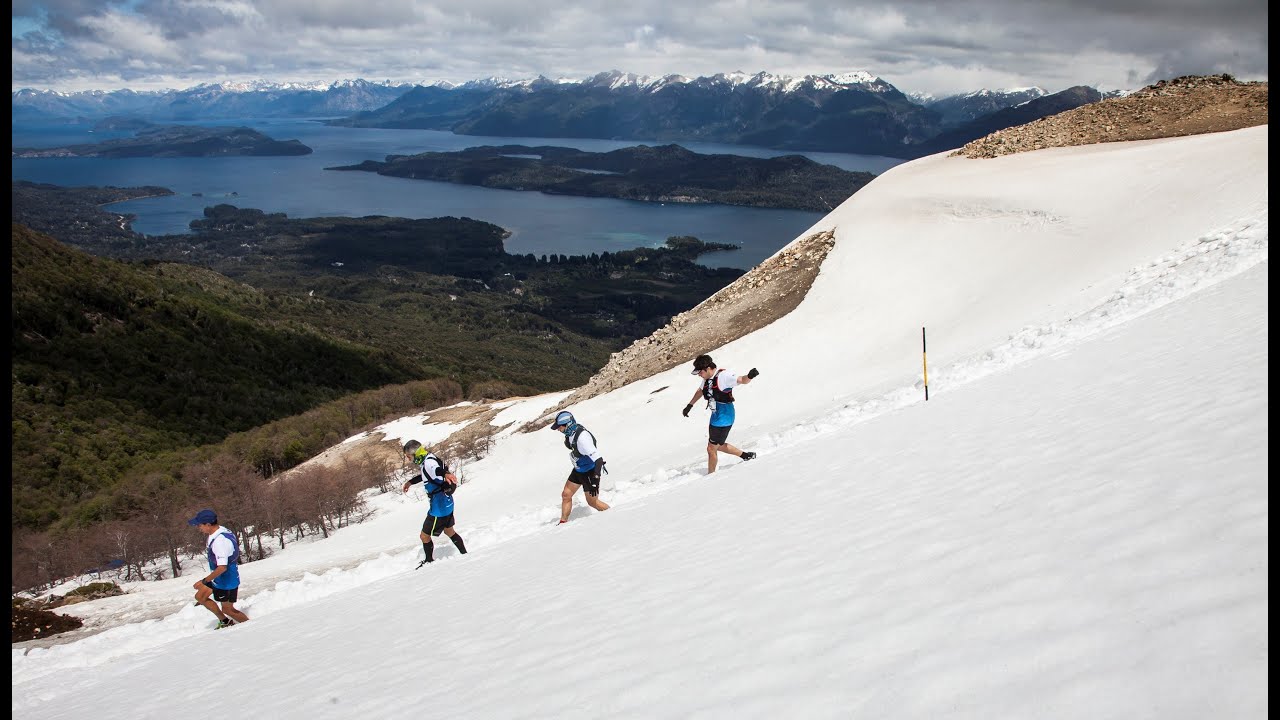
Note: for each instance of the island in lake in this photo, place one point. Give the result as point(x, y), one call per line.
point(176, 141)
point(408, 271)
point(666, 173)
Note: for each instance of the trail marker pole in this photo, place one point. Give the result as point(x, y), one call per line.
point(924, 359)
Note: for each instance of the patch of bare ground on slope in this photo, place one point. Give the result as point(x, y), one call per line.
point(473, 440)
point(764, 294)
point(1188, 105)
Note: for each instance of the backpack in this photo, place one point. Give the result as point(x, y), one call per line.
point(571, 440)
point(711, 390)
point(446, 487)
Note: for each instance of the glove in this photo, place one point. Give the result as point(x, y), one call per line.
point(449, 488)
point(754, 372)
point(687, 408)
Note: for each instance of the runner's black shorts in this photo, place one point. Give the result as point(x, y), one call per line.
point(222, 595)
point(435, 525)
point(718, 435)
point(589, 480)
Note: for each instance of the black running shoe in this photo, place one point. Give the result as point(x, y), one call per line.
point(748, 455)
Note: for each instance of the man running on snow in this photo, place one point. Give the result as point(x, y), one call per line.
point(717, 388)
point(439, 484)
point(587, 465)
point(222, 583)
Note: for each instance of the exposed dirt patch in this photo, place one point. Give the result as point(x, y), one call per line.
point(1189, 105)
point(767, 292)
point(471, 441)
point(475, 439)
point(32, 623)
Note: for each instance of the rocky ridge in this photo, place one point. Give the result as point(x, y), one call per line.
point(1188, 105)
point(767, 292)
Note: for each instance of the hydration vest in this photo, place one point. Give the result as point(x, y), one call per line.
point(571, 441)
point(231, 577)
point(235, 551)
point(444, 486)
point(711, 389)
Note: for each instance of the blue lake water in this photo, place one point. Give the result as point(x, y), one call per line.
point(301, 187)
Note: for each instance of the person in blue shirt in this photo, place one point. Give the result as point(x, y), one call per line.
point(223, 581)
point(439, 484)
point(587, 465)
point(717, 389)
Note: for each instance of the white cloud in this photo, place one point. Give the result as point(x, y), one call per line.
point(925, 46)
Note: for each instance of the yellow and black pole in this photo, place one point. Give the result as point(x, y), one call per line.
point(924, 359)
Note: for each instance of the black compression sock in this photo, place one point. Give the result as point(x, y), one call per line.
point(457, 540)
point(427, 547)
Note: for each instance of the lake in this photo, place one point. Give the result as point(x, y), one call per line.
point(300, 187)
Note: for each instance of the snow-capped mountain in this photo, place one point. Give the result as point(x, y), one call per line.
point(853, 111)
point(257, 98)
point(1019, 113)
point(91, 103)
point(959, 109)
point(813, 112)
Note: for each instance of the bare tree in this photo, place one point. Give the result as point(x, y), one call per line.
point(234, 490)
point(124, 541)
point(159, 504)
point(32, 560)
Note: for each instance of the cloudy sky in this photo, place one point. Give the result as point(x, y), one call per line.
point(916, 45)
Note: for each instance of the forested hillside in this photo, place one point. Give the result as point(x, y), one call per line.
point(112, 361)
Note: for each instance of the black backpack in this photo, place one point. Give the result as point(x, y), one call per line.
point(711, 390)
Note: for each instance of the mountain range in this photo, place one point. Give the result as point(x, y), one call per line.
point(207, 101)
point(852, 112)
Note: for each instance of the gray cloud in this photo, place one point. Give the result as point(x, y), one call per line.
point(918, 45)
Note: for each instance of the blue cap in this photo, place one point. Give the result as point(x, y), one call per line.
point(563, 418)
point(204, 517)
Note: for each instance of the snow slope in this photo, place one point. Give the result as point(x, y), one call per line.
point(1074, 525)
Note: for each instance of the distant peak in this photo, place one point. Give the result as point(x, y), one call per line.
point(854, 77)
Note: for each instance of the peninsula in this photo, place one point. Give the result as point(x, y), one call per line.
point(176, 141)
point(666, 174)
